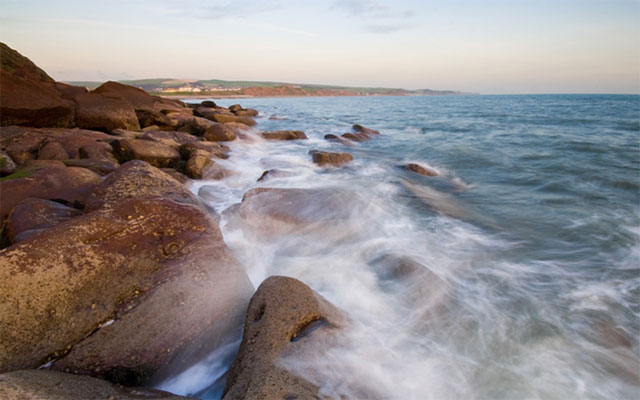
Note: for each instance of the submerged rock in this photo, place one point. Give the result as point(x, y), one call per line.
point(361, 129)
point(284, 135)
point(266, 213)
point(335, 138)
point(285, 318)
point(325, 158)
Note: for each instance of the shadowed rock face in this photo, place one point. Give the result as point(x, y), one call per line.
point(285, 318)
point(36, 214)
point(101, 113)
point(53, 385)
point(28, 94)
point(155, 153)
point(56, 181)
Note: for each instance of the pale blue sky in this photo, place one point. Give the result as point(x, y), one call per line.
point(491, 46)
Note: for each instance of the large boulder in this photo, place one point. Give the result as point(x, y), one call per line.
point(284, 135)
point(53, 385)
point(325, 158)
point(285, 318)
point(221, 133)
point(50, 181)
point(140, 285)
point(137, 179)
point(136, 97)
point(199, 161)
point(157, 154)
point(28, 94)
point(101, 113)
point(32, 216)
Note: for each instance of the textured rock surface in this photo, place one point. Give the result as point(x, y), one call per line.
point(53, 385)
point(145, 254)
point(285, 318)
point(37, 214)
point(137, 179)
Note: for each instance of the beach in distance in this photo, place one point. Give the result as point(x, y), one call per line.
point(371, 200)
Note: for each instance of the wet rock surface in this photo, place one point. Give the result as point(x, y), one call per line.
point(325, 158)
point(284, 135)
point(285, 317)
point(53, 385)
point(420, 170)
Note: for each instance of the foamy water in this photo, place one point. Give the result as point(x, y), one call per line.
point(527, 243)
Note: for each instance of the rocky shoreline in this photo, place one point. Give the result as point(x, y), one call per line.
point(112, 269)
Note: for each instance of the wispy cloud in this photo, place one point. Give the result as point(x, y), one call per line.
point(217, 9)
point(376, 17)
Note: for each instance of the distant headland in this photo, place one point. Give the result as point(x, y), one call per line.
point(220, 88)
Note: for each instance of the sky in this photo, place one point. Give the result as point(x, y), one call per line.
point(481, 46)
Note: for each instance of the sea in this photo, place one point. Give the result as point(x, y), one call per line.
point(529, 238)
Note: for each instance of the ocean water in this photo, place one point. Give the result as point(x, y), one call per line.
point(528, 244)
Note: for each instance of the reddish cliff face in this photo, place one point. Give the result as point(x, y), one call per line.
point(288, 90)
